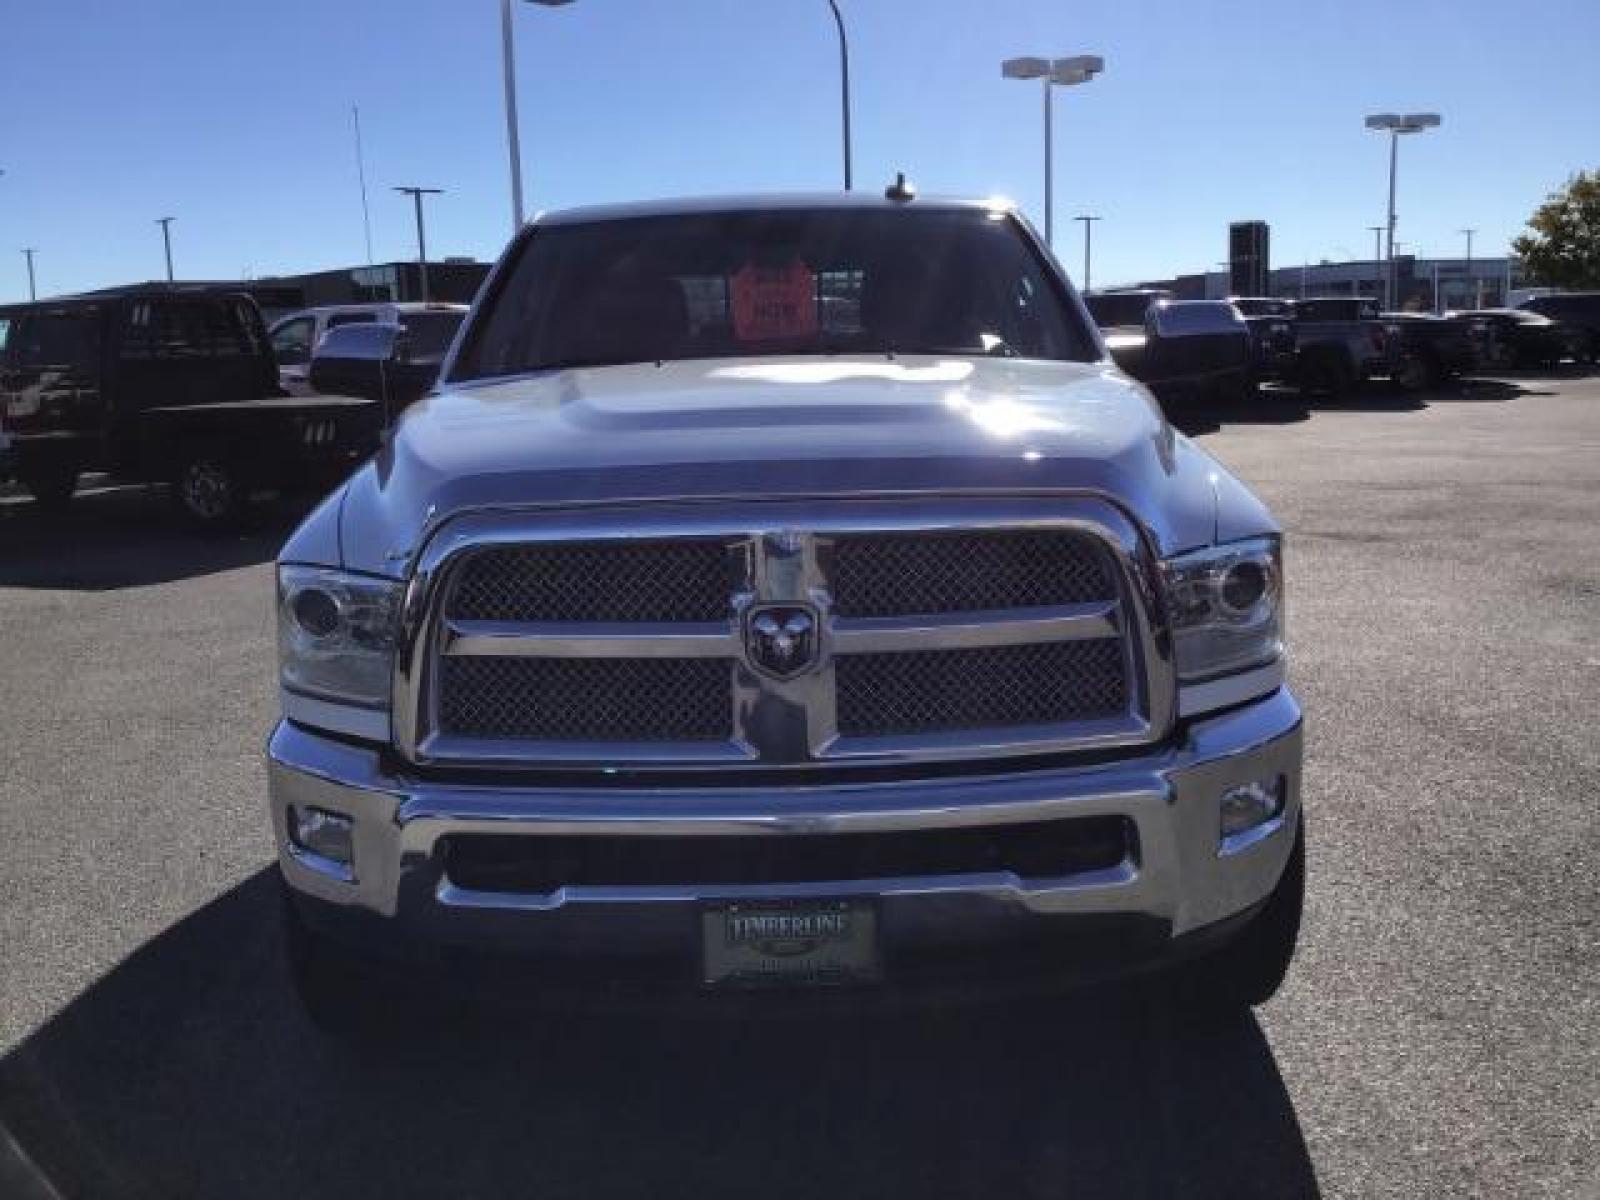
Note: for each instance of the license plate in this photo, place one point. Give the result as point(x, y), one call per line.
point(826, 943)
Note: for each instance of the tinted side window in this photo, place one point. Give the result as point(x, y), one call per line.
point(65, 339)
point(291, 342)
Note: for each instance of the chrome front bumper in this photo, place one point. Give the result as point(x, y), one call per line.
point(1179, 879)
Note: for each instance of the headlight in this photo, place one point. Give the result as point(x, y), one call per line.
point(1226, 607)
point(336, 637)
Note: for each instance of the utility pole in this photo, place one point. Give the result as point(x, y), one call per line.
point(166, 240)
point(1472, 287)
point(33, 292)
point(1088, 242)
point(844, 87)
point(416, 194)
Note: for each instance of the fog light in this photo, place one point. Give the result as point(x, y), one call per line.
point(325, 834)
point(1252, 804)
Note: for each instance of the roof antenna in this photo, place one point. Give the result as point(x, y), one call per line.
point(901, 189)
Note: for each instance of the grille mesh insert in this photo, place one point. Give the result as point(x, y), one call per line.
point(887, 575)
point(587, 699)
point(930, 691)
point(679, 580)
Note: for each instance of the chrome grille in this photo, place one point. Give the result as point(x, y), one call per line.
point(1008, 628)
point(687, 580)
point(930, 691)
point(587, 699)
point(882, 575)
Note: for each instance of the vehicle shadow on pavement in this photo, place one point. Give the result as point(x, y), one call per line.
point(116, 537)
point(188, 1070)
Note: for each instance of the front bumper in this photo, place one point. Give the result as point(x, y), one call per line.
point(1177, 882)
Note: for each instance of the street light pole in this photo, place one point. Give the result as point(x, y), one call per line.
point(1472, 289)
point(844, 87)
point(1377, 258)
point(1088, 242)
point(1396, 125)
point(1063, 72)
point(166, 240)
point(513, 141)
point(416, 194)
point(33, 292)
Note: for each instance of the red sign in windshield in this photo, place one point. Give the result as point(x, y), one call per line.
point(774, 304)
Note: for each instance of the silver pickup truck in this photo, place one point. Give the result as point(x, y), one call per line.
point(783, 594)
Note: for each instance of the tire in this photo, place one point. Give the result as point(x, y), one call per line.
point(337, 990)
point(50, 485)
point(1325, 375)
point(210, 492)
point(1417, 373)
point(1251, 968)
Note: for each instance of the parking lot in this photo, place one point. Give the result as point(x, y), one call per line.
point(1440, 1034)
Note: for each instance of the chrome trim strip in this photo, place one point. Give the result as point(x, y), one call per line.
point(973, 630)
point(598, 640)
point(368, 723)
point(1197, 698)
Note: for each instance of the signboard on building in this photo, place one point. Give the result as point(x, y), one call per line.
point(1249, 258)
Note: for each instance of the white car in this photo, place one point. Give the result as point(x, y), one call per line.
point(295, 337)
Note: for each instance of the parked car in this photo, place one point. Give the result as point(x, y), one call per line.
point(1580, 312)
point(1179, 349)
point(382, 363)
point(1428, 350)
point(165, 383)
point(1340, 342)
point(675, 651)
point(296, 336)
point(1272, 339)
point(1516, 337)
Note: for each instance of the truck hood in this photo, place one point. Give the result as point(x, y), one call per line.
point(773, 428)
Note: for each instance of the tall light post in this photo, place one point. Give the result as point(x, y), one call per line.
point(513, 142)
point(1088, 242)
point(1377, 259)
point(1472, 290)
point(416, 194)
point(1396, 124)
point(844, 87)
point(166, 240)
point(33, 292)
point(1055, 72)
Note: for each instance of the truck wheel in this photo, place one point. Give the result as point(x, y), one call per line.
point(210, 493)
point(1416, 373)
point(1251, 968)
point(338, 996)
point(50, 486)
point(1325, 375)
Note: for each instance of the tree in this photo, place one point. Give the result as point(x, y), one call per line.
point(1563, 247)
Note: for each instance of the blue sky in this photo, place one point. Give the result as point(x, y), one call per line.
point(235, 118)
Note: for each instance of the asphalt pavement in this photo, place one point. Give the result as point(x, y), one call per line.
point(1439, 1035)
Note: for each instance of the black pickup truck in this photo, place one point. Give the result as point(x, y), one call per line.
point(1272, 341)
point(171, 384)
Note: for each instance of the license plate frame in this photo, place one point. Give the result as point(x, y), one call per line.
point(790, 943)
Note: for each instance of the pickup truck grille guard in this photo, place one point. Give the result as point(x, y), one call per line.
point(782, 635)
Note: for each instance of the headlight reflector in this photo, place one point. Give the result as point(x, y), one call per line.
point(1226, 606)
point(336, 634)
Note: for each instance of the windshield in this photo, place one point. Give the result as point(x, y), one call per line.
point(431, 332)
point(1120, 308)
point(1256, 307)
point(806, 282)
